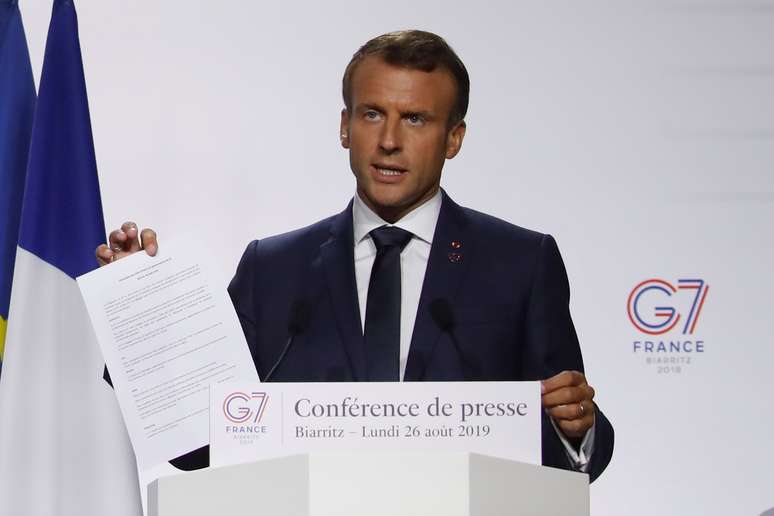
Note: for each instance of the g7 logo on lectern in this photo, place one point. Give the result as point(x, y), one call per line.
point(239, 407)
point(655, 306)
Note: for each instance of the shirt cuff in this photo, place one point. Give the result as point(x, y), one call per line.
point(579, 459)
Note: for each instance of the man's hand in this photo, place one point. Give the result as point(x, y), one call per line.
point(567, 398)
point(126, 241)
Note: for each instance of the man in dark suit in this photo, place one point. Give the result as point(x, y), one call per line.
point(404, 283)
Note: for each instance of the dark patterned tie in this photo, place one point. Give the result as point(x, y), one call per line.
point(382, 322)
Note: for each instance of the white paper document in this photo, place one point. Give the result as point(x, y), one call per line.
point(258, 421)
point(167, 331)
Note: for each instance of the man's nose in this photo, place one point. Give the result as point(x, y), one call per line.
point(390, 137)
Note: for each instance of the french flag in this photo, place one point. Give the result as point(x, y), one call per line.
point(64, 447)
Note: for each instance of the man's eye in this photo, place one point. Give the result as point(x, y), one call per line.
point(371, 115)
point(415, 119)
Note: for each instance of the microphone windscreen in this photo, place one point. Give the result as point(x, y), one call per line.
point(442, 314)
point(299, 316)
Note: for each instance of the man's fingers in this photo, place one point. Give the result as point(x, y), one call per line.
point(568, 395)
point(125, 241)
point(564, 396)
point(149, 241)
point(132, 243)
point(117, 240)
point(129, 239)
point(563, 379)
point(572, 411)
point(104, 255)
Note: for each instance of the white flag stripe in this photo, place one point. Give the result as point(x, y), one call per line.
point(64, 448)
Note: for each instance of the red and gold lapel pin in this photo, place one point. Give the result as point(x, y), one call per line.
point(455, 257)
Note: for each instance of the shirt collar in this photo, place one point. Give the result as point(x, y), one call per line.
point(420, 221)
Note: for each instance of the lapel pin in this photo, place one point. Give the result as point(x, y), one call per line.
point(455, 257)
point(456, 244)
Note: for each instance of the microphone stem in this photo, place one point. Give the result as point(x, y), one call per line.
point(281, 357)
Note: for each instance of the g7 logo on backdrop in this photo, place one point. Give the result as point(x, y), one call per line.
point(238, 407)
point(656, 306)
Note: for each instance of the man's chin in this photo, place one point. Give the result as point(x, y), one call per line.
point(388, 207)
point(383, 196)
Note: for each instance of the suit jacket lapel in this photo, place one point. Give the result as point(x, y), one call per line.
point(450, 255)
point(339, 263)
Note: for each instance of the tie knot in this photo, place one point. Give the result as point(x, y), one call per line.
point(390, 236)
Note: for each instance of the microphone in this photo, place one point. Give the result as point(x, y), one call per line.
point(297, 324)
point(441, 312)
point(299, 316)
point(443, 316)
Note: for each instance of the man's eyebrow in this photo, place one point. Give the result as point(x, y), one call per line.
point(420, 112)
point(425, 114)
point(368, 105)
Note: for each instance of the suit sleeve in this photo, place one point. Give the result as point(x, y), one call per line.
point(242, 291)
point(551, 346)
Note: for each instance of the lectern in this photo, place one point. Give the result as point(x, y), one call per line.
point(373, 484)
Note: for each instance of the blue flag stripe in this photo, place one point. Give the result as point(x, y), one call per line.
point(61, 219)
point(17, 104)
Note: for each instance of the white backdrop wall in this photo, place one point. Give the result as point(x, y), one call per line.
point(640, 134)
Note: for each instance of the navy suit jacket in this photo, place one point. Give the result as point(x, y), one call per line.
point(506, 286)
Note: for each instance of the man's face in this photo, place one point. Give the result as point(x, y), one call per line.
point(398, 134)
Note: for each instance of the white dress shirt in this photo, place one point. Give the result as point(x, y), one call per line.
point(420, 222)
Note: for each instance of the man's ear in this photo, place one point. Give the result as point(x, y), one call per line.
point(454, 139)
point(344, 129)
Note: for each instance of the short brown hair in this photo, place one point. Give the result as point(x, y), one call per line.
point(418, 50)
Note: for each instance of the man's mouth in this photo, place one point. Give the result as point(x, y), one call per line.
point(389, 170)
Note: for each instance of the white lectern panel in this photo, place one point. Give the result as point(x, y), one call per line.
point(374, 484)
